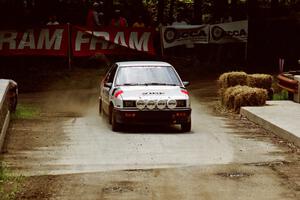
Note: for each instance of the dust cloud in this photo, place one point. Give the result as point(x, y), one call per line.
point(72, 102)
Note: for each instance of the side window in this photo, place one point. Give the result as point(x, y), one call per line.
point(108, 73)
point(112, 74)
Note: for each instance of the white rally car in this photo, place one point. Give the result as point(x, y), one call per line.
point(144, 92)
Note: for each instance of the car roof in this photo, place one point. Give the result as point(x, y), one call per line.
point(142, 63)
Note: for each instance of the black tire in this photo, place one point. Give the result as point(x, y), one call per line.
point(110, 114)
point(13, 104)
point(186, 127)
point(100, 106)
point(115, 126)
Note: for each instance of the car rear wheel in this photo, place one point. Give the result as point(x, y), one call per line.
point(186, 127)
point(115, 126)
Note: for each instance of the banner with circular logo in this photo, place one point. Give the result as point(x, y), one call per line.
point(229, 32)
point(184, 35)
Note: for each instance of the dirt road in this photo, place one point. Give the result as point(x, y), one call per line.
point(69, 152)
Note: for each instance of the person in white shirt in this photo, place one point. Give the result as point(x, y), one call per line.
point(52, 21)
point(179, 21)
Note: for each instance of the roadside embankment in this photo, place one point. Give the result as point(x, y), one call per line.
point(4, 110)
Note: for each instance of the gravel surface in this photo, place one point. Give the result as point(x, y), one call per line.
point(68, 151)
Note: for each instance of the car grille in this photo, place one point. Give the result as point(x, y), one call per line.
point(132, 104)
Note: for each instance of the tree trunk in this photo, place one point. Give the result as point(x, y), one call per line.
point(221, 8)
point(234, 10)
point(161, 8)
point(171, 12)
point(197, 11)
point(274, 8)
point(252, 27)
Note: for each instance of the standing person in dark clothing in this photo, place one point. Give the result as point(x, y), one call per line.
point(118, 20)
point(139, 23)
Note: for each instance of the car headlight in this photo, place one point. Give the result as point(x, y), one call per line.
point(151, 104)
point(171, 103)
point(161, 104)
point(140, 104)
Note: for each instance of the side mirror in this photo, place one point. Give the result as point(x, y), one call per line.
point(186, 83)
point(108, 85)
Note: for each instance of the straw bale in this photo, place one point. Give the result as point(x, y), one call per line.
point(260, 81)
point(231, 79)
point(250, 97)
point(235, 97)
point(230, 93)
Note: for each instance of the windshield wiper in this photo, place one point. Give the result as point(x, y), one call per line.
point(130, 84)
point(171, 84)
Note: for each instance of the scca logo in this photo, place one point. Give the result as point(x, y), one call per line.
point(218, 33)
point(172, 34)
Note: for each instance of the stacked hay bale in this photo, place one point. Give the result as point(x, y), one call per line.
point(231, 79)
point(239, 96)
point(239, 89)
point(261, 81)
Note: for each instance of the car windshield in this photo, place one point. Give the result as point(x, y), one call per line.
point(148, 75)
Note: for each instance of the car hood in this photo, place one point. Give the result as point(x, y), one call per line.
point(152, 92)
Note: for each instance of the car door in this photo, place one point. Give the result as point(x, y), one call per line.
point(107, 87)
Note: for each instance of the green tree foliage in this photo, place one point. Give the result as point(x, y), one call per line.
point(196, 10)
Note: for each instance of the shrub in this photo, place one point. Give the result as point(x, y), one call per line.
point(260, 81)
point(231, 79)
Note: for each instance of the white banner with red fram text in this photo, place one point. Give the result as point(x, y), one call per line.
point(184, 35)
point(109, 40)
point(57, 41)
point(51, 41)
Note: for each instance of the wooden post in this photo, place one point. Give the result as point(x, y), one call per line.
point(161, 41)
point(69, 46)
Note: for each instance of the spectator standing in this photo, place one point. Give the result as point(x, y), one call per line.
point(52, 21)
point(179, 21)
point(93, 20)
point(28, 12)
point(118, 20)
point(139, 23)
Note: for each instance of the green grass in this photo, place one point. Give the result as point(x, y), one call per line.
point(282, 95)
point(9, 184)
point(25, 111)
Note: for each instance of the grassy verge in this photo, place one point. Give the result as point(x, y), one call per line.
point(281, 95)
point(25, 111)
point(9, 184)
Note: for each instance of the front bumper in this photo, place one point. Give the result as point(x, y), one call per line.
point(129, 116)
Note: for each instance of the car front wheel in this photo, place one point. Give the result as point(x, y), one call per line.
point(100, 106)
point(115, 126)
point(186, 127)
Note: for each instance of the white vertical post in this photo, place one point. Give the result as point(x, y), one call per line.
point(297, 95)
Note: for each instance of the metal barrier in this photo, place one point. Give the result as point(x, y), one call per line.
point(288, 83)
